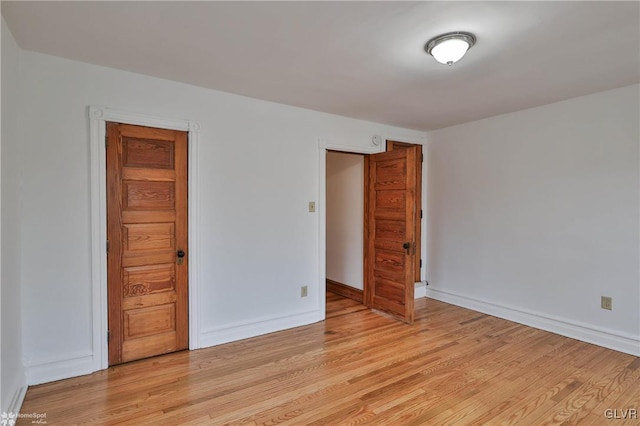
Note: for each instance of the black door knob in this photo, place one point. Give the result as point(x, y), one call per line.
point(180, 253)
point(406, 246)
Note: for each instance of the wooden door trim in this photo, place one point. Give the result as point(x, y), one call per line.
point(367, 294)
point(98, 116)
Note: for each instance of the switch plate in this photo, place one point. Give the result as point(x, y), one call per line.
point(606, 303)
point(303, 291)
point(312, 206)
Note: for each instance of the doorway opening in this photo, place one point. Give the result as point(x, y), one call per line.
point(373, 226)
point(345, 224)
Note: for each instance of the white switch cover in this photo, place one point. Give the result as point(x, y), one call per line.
point(312, 206)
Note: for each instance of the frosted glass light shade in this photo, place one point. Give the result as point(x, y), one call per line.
point(450, 51)
point(450, 48)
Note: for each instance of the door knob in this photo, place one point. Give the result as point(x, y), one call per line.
point(407, 247)
point(180, 254)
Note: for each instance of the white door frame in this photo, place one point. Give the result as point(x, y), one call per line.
point(98, 117)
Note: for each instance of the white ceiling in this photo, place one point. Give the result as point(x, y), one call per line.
point(357, 59)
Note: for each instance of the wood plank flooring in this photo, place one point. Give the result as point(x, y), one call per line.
point(453, 366)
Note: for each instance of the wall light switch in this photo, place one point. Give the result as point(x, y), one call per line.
point(312, 206)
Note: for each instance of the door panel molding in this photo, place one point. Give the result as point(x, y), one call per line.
point(98, 116)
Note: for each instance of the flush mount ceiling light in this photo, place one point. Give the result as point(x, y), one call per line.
point(449, 48)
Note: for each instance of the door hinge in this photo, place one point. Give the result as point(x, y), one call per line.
point(106, 141)
point(422, 158)
point(421, 263)
point(420, 213)
point(108, 335)
point(107, 246)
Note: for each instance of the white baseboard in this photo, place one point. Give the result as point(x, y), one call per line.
point(617, 341)
point(244, 330)
point(17, 397)
point(46, 370)
point(62, 367)
point(420, 290)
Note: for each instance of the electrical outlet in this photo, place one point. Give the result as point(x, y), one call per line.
point(312, 206)
point(606, 303)
point(303, 291)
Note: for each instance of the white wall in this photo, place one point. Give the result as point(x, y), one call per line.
point(258, 169)
point(534, 215)
point(345, 218)
point(11, 369)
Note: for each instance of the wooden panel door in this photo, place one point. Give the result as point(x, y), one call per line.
point(147, 233)
point(391, 145)
point(390, 225)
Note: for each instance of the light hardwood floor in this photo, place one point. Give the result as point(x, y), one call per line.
point(452, 367)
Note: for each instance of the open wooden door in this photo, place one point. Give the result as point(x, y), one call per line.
point(390, 232)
